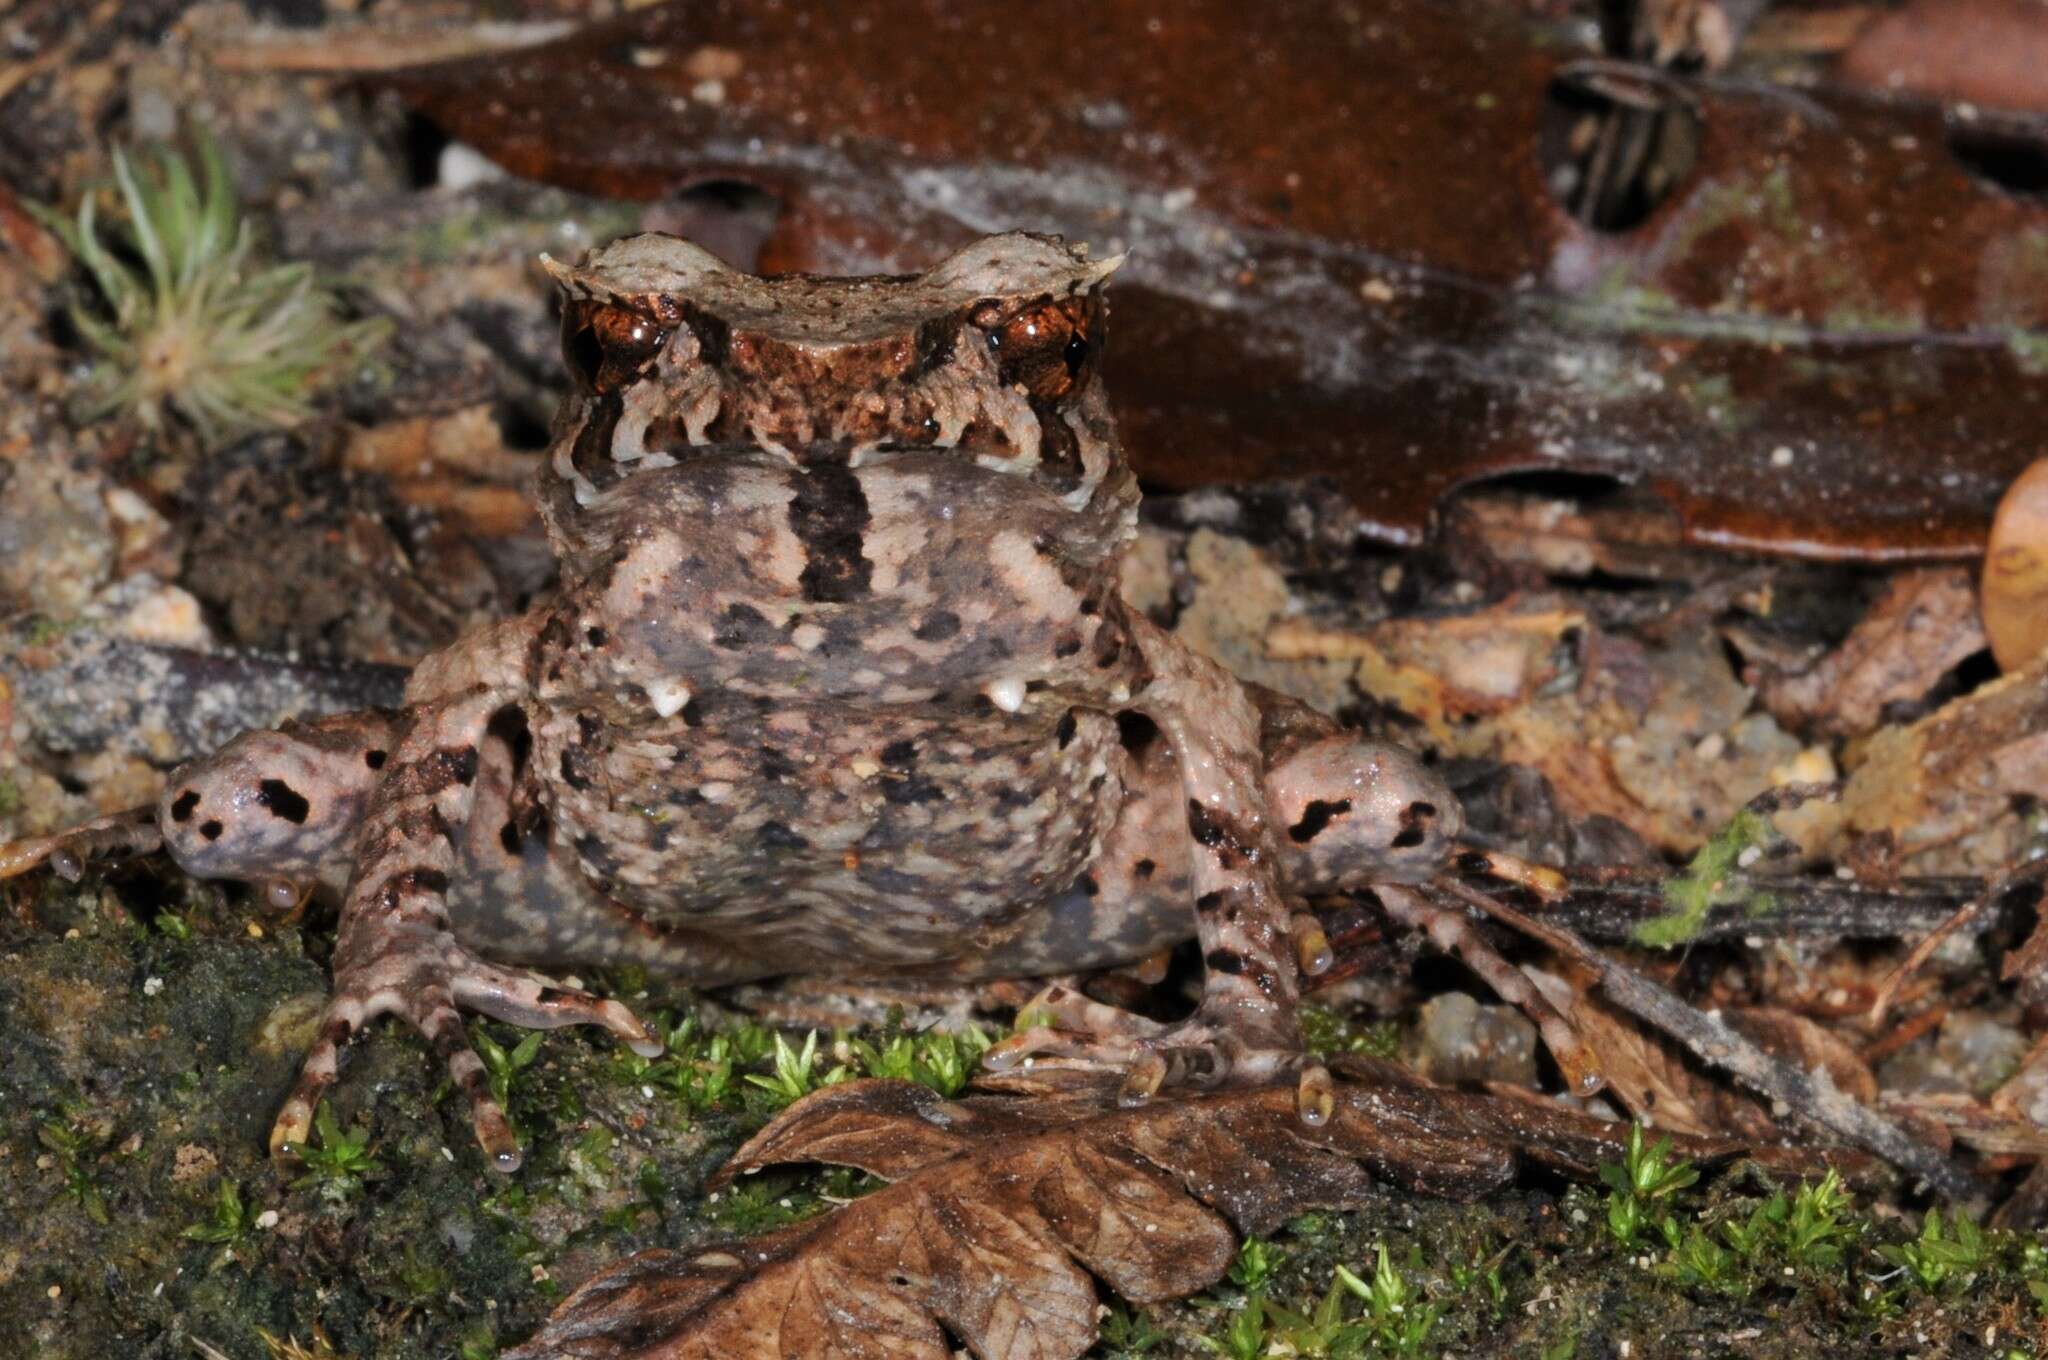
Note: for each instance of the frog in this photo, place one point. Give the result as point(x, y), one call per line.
point(837, 679)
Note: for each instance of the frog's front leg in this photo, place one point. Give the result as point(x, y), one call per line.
point(395, 953)
point(1254, 945)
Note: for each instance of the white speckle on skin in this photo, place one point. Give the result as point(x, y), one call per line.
point(669, 696)
point(1006, 693)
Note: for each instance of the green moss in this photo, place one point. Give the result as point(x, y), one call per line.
point(1711, 879)
point(163, 1099)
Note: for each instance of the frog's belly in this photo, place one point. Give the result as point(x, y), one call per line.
point(822, 841)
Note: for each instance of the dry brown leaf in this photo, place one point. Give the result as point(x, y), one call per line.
point(1648, 1074)
point(1918, 630)
point(1945, 787)
point(2015, 591)
point(1809, 1046)
point(1001, 1209)
point(1443, 670)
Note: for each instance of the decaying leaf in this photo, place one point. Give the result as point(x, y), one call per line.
point(1001, 1209)
point(1921, 628)
point(1648, 1074)
point(2015, 586)
point(1945, 788)
point(1317, 297)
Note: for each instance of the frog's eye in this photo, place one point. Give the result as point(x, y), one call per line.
point(1044, 347)
point(606, 346)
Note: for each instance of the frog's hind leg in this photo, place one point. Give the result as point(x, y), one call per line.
point(518, 895)
point(1451, 930)
point(395, 953)
point(1246, 1029)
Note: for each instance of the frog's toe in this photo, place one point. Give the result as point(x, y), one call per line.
point(294, 1123)
point(533, 1001)
point(428, 981)
point(1062, 1010)
point(443, 1029)
point(133, 832)
point(1070, 1032)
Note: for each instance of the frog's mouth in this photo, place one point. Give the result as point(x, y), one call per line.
point(650, 427)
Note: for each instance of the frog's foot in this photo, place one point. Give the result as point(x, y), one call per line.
point(427, 979)
point(1451, 930)
point(1204, 1052)
point(119, 836)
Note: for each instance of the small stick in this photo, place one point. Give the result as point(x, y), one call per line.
point(2002, 883)
point(1710, 1040)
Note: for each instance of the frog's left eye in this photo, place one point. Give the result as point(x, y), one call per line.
point(606, 346)
point(1044, 348)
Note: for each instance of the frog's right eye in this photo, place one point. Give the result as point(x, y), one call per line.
point(606, 346)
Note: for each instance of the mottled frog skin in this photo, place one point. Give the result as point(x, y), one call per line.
point(837, 680)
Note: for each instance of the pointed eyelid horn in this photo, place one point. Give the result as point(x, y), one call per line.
point(1012, 262)
point(639, 266)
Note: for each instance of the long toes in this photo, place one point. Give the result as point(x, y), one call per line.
point(442, 1024)
point(1315, 1095)
point(1060, 1007)
point(295, 1120)
point(531, 1001)
point(133, 832)
point(18, 857)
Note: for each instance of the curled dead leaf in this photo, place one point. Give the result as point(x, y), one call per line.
point(1000, 1210)
point(1917, 631)
point(2014, 592)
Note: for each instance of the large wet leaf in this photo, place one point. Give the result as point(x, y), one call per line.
point(1353, 250)
point(1002, 1213)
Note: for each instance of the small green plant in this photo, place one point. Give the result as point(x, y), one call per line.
point(1943, 1255)
point(231, 1220)
point(1256, 1261)
point(186, 320)
point(1397, 1318)
point(1710, 880)
point(1699, 1260)
point(502, 1066)
point(1323, 1332)
point(943, 1061)
point(76, 1141)
point(762, 1203)
point(1483, 1274)
point(1244, 1336)
point(339, 1162)
point(173, 926)
point(1816, 1233)
point(795, 1075)
point(1128, 1331)
point(1640, 1189)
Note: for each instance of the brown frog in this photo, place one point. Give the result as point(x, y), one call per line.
point(837, 680)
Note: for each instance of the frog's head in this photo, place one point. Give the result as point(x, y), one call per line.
point(991, 356)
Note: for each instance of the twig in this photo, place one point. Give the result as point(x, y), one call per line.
point(1814, 1095)
point(1707, 1038)
point(1608, 904)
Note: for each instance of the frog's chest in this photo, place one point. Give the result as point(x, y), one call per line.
point(829, 834)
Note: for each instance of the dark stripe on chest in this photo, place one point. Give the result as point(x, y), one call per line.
point(829, 516)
